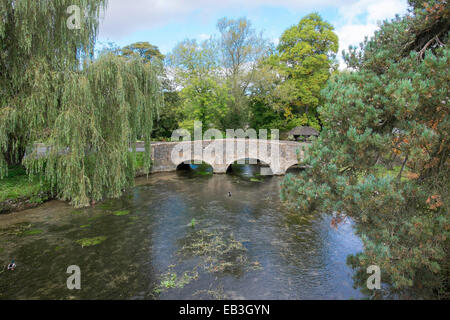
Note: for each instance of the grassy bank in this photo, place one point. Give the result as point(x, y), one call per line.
point(18, 191)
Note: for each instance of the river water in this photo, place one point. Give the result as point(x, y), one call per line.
point(179, 235)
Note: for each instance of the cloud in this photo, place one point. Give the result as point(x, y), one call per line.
point(355, 19)
point(203, 36)
point(125, 17)
point(361, 19)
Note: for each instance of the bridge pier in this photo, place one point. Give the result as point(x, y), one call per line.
point(220, 168)
point(278, 172)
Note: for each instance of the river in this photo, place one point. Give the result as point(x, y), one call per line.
point(179, 235)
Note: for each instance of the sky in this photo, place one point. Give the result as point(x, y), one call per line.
point(165, 23)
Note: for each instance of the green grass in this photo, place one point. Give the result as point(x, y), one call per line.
point(139, 163)
point(18, 185)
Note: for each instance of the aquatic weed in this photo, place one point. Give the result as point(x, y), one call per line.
point(88, 242)
point(31, 232)
point(121, 213)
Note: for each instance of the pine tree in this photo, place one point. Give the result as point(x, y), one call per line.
point(393, 104)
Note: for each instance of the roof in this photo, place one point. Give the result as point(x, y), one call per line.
point(303, 131)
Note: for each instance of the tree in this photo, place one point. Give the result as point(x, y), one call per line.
point(103, 110)
point(87, 113)
point(170, 113)
point(240, 49)
point(205, 100)
point(144, 50)
point(205, 94)
point(393, 104)
point(35, 47)
point(305, 60)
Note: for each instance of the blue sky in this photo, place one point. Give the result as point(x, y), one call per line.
point(164, 23)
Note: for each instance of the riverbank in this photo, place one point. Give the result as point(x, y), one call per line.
point(18, 192)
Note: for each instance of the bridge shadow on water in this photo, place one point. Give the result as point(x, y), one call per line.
point(248, 169)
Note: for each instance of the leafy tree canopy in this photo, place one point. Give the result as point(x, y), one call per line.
point(87, 114)
point(305, 58)
point(144, 50)
point(204, 92)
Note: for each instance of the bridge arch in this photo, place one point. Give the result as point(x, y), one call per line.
point(191, 161)
point(262, 163)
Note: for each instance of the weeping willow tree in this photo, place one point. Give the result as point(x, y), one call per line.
point(36, 48)
point(88, 114)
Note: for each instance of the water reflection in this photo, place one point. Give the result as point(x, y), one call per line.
point(180, 236)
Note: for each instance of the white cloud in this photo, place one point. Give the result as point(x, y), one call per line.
point(361, 19)
point(124, 17)
point(203, 36)
point(356, 18)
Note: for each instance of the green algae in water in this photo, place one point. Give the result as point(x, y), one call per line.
point(85, 226)
point(106, 205)
point(121, 213)
point(204, 173)
point(255, 180)
point(218, 252)
point(133, 220)
point(31, 232)
point(88, 242)
point(171, 280)
point(94, 218)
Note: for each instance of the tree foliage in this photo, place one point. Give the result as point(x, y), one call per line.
point(144, 50)
point(87, 114)
point(394, 104)
point(103, 111)
point(241, 48)
point(205, 94)
point(216, 75)
point(35, 48)
point(305, 59)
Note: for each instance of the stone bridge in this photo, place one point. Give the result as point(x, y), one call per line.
point(221, 154)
